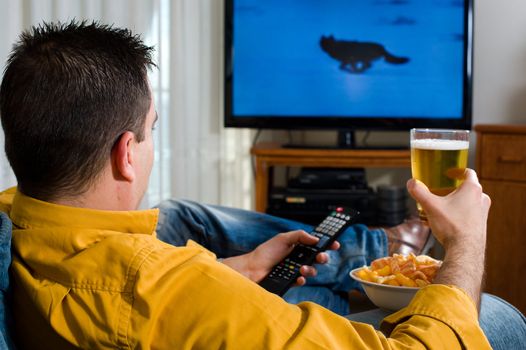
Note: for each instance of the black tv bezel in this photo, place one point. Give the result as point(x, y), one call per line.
point(346, 122)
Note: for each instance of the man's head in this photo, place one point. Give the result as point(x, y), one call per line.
point(70, 93)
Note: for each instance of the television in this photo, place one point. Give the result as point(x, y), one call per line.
point(348, 64)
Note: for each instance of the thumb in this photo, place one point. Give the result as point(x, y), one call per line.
point(419, 191)
point(298, 236)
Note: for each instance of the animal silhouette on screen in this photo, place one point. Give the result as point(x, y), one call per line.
point(357, 56)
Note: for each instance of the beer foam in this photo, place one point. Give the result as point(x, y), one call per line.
point(443, 145)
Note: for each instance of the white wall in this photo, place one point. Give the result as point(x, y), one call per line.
point(500, 62)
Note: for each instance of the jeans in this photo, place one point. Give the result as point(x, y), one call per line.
point(229, 232)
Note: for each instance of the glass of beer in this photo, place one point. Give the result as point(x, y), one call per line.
point(439, 159)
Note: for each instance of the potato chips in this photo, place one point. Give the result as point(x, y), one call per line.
point(401, 270)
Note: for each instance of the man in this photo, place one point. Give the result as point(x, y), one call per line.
point(88, 271)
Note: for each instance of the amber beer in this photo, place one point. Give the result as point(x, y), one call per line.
point(439, 163)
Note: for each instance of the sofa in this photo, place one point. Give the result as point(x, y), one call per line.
point(5, 260)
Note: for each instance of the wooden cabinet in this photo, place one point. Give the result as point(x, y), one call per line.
point(501, 166)
point(268, 155)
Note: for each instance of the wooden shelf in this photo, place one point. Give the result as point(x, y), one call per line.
point(268, 155)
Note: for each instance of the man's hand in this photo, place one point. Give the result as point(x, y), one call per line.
point(458, 221)
point(258, 263)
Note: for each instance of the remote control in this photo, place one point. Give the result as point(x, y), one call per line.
point(284, 275)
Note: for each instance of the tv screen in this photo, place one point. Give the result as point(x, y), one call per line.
point(344, 64)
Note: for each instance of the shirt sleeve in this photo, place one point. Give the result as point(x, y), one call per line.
point(184, 299)
point(446, 307)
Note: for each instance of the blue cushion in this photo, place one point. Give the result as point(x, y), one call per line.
point(5, 260)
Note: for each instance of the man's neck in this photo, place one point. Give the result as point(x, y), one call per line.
point(106, 194)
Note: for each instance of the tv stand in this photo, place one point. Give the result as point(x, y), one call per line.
point(328, 147)
point(269, 155)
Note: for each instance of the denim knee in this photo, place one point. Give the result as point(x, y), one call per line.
point(503, 324)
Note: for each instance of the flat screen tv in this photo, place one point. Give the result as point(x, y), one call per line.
point(348, 64)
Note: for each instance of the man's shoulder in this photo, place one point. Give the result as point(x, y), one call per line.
point(6, 198)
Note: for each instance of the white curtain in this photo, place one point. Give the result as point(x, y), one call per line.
point(195, 157)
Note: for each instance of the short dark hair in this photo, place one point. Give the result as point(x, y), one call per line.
point(68, 92)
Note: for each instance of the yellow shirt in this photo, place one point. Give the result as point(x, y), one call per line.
point(101, 279)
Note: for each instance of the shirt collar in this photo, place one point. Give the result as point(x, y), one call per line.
point(27, 212)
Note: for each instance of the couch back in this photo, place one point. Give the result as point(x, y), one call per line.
point(5, 261)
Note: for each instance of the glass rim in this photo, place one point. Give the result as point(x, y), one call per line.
point(431, 130)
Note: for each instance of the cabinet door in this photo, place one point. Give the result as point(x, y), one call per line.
point(506, 242)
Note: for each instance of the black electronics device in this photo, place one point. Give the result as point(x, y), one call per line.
point(311, 206)
point(285, 274)
point(329, 178)
point(391, 205)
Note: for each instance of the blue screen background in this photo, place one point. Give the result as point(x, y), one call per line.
point(279, 68)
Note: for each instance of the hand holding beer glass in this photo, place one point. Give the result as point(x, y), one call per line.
point(439, 159)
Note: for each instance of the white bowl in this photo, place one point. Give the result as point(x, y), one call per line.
point(384, 296)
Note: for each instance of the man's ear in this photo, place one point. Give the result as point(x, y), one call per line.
point(122, 157)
